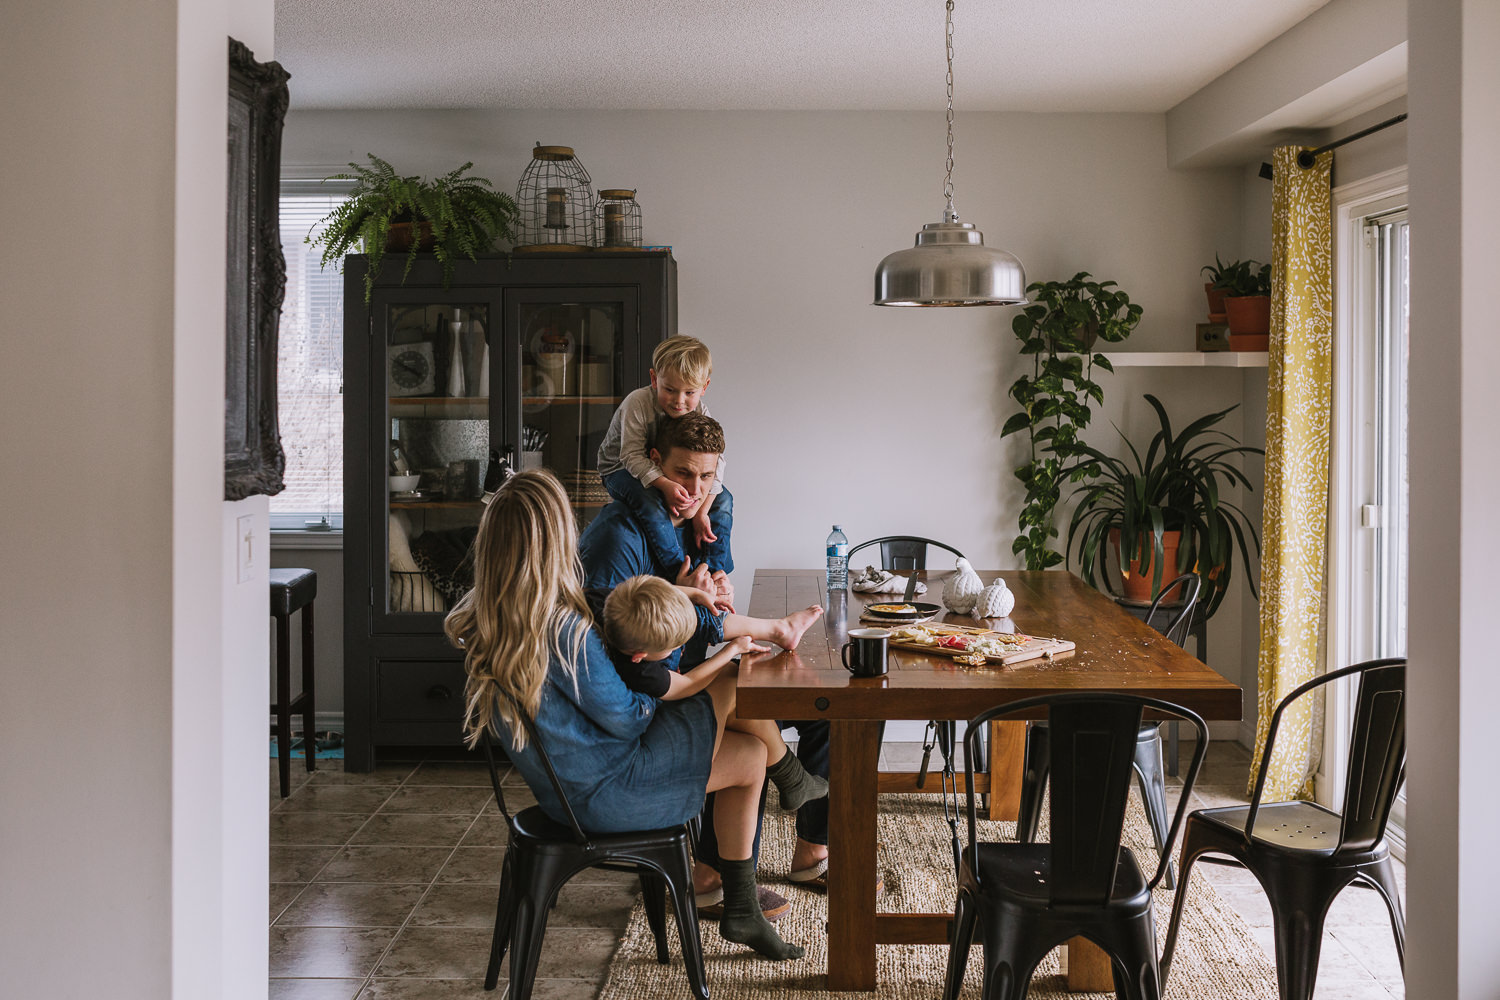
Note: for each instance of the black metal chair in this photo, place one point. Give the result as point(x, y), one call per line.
point(543, 855)
point(1148, 757)
point(1029, 898)
point(1304, 855)
point(903, 553)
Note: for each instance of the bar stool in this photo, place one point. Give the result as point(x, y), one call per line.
point(293, 590)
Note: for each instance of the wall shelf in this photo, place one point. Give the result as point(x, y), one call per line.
point(1188, 359)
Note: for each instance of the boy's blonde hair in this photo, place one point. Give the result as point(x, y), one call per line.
point(687, 357)
point(646, 614)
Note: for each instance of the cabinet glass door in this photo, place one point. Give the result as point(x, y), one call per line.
point(576, 360)
point(436, 430)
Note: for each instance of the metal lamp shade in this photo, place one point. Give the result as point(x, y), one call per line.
point(950, 266)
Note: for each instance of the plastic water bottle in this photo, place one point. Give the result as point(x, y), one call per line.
point(838, 559)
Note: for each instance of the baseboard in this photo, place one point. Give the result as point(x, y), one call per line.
point(327, 722)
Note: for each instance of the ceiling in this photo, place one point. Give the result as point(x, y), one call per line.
point(1010, 55)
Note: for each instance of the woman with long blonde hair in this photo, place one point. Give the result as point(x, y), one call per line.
point(625, 760)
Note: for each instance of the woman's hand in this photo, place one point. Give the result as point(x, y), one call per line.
point(699, 578)
point(713, 602)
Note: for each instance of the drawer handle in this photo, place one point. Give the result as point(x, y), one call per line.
point(440, 692)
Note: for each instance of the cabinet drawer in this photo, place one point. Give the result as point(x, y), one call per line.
point(419, 691)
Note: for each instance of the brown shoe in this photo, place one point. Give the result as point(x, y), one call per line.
point(772, 903)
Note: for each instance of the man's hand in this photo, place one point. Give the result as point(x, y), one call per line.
point(724, 588)
point(678, 499)
point(702, 530)
point(699, 578)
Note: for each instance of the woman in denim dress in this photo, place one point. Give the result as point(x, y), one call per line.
point(625, 760)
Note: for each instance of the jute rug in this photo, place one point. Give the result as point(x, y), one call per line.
point(1216, 955)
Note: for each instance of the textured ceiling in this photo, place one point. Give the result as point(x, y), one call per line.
point(1011, 55)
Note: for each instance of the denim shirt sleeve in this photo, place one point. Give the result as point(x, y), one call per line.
point(603, 697)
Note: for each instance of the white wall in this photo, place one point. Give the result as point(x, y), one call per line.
point(131, 826)
point(884, 420)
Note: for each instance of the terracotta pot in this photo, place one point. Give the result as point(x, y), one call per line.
point(1249, 314)
point(1215, 302)
point(399, 236)
point(1137, 581)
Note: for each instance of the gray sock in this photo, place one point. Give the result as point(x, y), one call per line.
point(743, 922)
point(797, 785)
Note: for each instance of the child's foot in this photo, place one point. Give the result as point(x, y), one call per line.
point(787, 632)
point(797, 785)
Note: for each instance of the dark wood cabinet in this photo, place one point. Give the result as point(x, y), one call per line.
point(523, 356)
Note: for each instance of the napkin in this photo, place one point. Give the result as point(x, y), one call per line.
point(880, 581)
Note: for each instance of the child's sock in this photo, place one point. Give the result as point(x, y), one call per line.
point(797, 785)
point(743, 922)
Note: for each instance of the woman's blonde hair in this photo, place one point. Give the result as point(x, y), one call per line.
point(686, 357)
point(646, 614)
point(528, 594)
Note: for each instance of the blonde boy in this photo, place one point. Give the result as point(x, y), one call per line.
point(645, 620)
point(680, 372)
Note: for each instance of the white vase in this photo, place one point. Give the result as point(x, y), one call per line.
point(484, 373)
point(456, 360)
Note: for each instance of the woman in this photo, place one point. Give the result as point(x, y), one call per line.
point(625, 760)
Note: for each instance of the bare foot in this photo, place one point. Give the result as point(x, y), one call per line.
point(788, 631)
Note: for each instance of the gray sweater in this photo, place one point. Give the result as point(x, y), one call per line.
point(632, 433)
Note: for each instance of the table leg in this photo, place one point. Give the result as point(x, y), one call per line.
point(1089, 968)
point(853, 760)
point(1007, 762)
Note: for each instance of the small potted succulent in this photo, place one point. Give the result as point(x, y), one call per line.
point(1211, 289)
point(449, 216)
point(1247, 300)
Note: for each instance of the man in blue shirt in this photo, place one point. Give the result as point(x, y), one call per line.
point(613, 548)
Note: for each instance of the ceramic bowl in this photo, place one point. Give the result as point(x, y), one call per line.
point(403, 484)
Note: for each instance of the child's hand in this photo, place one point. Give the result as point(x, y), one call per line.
point(677, 498)
point(702, 530)
point(712, 602)
point(745, 644)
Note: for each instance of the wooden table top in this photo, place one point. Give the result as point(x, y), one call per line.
point(1115, 651)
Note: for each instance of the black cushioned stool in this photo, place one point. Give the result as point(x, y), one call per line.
point(293, 590)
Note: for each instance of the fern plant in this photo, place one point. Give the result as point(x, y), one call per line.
point(465, 214)
point(1054, 397)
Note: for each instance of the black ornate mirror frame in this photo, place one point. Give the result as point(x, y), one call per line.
point(256, 279)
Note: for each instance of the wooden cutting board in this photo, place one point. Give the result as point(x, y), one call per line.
point(1035, 648)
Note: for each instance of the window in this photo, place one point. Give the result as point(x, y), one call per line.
point(310, 369)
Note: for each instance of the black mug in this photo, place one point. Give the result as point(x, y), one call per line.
point(871, 647)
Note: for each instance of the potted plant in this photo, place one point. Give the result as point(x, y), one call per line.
point(1211, 289)
point(1176, 488)
point(451, 215)
point(1056, 330)
point(1247, 303)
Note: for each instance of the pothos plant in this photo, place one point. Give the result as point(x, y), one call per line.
point(465, 215)
point(1057, 330)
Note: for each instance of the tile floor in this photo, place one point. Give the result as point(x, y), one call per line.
point(383, 888)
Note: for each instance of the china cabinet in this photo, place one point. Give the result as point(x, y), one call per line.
point(523, 357)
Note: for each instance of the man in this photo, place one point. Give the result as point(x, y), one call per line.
point(614, 548)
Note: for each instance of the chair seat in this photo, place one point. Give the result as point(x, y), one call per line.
point(1021, 872)
point(546, 835)
point(292, 589)
point(1294, 827)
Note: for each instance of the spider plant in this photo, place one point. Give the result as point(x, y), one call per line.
point(466, 217)
point(1175, 487)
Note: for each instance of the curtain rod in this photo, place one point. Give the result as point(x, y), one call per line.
point(1308, 157)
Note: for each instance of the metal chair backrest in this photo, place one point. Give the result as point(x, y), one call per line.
point(535, 738)
point(1377, 750)
point(1181, 621)
point(903, 553)
point(1092, 738)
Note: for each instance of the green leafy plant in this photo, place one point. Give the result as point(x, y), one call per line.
point(465, 215)
point(1175, 487)
point(1215, 271)
point(1054, 397)
point(1243, 277)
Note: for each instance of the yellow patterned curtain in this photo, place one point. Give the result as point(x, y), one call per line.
point(1296, 499)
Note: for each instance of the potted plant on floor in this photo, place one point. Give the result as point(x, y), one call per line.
point(1247, 304)
point(450, 216)
point(1057, 331)
point(1169, 500)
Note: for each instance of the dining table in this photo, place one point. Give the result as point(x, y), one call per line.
point(1114, 651)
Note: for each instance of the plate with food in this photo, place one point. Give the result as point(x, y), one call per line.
point(977, 647)
point(901, 611)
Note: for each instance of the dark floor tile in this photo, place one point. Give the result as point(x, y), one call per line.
point(384, 774)
point(317, 797)
point(573, 989)
point(326, 952)
point(413, 829)
point(474, 864)
point(385, 864)
point(282, 894)
point(314, 989)
point(457, 905)
point(454, 773)
point(489, 830)
point(577, 953)
point(517, 797)
point(438, 953)
point(598, 905)
point(352, 904)
point(450, 799)
point(436, 989)
point(333, 829)
point(298, 864)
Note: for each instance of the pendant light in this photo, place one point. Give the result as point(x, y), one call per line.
point(950, 265)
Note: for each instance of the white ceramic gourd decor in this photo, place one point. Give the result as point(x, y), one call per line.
point(962, 589)
point(995, 601)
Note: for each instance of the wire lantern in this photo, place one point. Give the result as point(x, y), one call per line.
point(619, 219)
point(556, 202)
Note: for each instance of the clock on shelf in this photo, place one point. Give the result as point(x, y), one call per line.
point(409, 370)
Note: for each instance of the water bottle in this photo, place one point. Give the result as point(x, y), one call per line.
point(838, 559)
